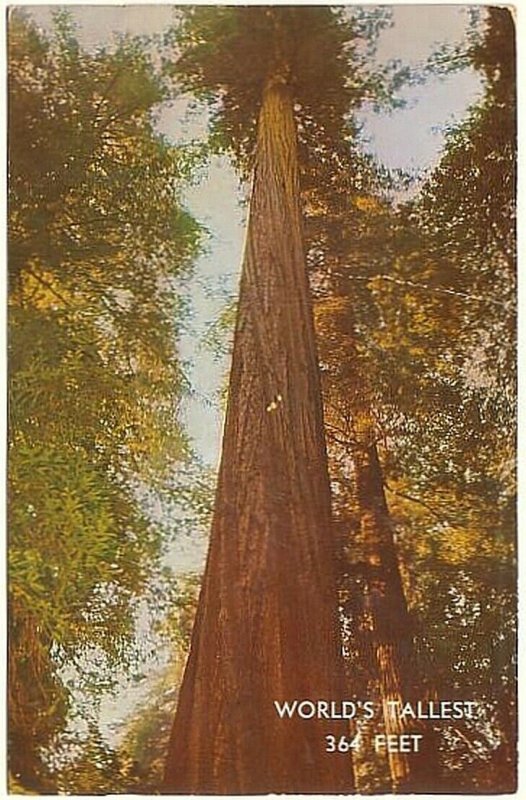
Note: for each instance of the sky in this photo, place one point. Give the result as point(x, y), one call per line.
point(409, 138)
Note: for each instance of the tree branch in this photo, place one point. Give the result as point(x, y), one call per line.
point(48, 286)
point(412, 499)
point(426, 288)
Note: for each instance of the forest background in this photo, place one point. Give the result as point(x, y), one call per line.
point(58, 281)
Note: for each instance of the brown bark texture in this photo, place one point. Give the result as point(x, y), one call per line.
point(391, 635)
point(267, 622)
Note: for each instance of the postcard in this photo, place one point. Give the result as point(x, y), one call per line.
point(262, 399)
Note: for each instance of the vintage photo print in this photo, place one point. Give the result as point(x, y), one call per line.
point(262, 399)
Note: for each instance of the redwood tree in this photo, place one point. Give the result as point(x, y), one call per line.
point(267, 621)
point(373, 596)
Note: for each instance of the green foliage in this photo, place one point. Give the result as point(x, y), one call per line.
point(147, 732)
point(227, 54)
point(97, 242)
point(96, 768)
point(86, 764)
point(474, 191)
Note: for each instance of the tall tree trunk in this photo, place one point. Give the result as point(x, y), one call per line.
point(267, 621)
point(391, 635)
point(376, 600)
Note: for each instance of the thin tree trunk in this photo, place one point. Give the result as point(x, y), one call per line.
point(391, 635)
point(267, 621)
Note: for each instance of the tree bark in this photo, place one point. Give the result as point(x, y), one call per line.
point(267, 625)
point(391, 635)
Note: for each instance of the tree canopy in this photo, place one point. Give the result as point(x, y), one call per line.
point(226, 56)
point(97, 239)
